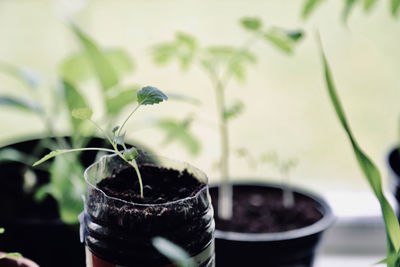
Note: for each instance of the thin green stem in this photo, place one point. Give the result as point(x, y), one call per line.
point(123, 124)
point(104, 132)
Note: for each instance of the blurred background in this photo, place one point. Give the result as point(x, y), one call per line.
point(287, 109)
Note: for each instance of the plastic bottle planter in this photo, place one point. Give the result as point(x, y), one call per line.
point(393, 161)
point(292, 248)
point(119, 233)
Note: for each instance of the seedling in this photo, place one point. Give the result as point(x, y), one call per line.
point(11, 254)
point(370, 172)
point(146, 96)
point(221, 64)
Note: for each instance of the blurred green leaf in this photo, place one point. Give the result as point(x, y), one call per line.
point(82, 113)
point(173, 252)
point(11, 154)
point(150, 95)
point(183, 49)
point(234, 110)
point(67, 187)
point(309, 6)
point(106, 74)
point(74, 100)
point(77, 67)
point(394, 7)
point(280, 40)
point(28, 77)
point(20, 104)
point(234, 59)
point(251, 23)
point(368, 4)
point(295, 36)
point(130, 154)
point(184, 98)
point(349, 5)
point(368, 168)
point(123, 98)
point(2, 230)
point(180, 131)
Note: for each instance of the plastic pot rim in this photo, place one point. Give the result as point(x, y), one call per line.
point(328, 218)
point(166, 204)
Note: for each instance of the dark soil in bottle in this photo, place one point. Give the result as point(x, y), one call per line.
point(261, 210)
point(160, 185)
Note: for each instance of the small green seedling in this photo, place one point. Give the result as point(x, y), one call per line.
point(146, 96)
point(173, 252)
point(11, 254)
point(222, 64)
point(370, 172)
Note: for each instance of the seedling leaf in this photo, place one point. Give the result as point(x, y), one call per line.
point(82, 113)
point(150, 95)
point(251, 24)
point(130, 154)
point(173, 252)
point(367, 166)
point(20, 104)
point(11, 255)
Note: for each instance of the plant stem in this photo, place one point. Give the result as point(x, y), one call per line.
point(123, 124)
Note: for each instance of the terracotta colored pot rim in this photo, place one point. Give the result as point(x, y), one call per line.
point(17, 262)
point(321, 225)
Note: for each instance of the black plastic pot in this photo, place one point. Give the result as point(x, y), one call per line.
point(117, 232)
point(294, 248)
point(393, 161)
point(34, 228)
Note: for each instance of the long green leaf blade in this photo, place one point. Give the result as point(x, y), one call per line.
point(309, 6)
point(367, 166)
point(105, 72)
point(20, 104)
point(74, 100)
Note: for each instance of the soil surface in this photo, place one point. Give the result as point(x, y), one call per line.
point(261, 210)
point(160, 185)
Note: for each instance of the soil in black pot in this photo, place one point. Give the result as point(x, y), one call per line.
point(161, 185)
point(261, 210)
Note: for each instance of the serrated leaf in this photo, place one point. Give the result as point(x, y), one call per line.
point(234, 110)
point(26, 76)
point(251, 23)
point(20, 104)
point(130, 154)
point(82, 113)
point(106, 74)
point(309, 7)
point(173, 252)
point(394, 7)
point(150, 95)
point(116, 103)
point(179, 131)
point(368, 168)
point(74, 100)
